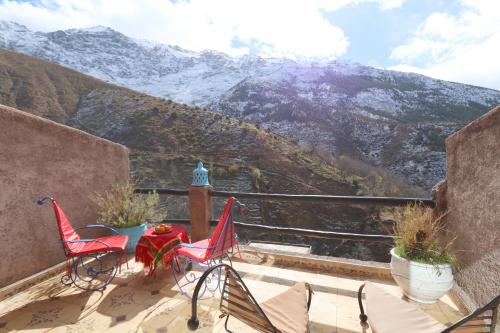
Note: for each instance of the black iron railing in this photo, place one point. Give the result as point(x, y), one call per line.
point(276, 230)
point(322, 234)
point(338, 199)
point(162, 191)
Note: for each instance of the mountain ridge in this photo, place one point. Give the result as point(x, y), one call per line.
point(165, 140)
point(393, 120)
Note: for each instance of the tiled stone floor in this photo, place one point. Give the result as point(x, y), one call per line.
point(138, 303)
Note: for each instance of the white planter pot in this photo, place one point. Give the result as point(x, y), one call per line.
point(423, 283)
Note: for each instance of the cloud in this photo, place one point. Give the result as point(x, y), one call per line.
point(383, 5)
point(461, 48)
point(279, 28)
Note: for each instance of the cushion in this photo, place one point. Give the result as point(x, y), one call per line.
point(196, 251)
point(116, 243)
point(389, 314)
point(288, 310)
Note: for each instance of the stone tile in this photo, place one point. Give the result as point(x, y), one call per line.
point(442, 311)
point(348, 283)
point(138, 303)
point(96, 322)
point(120, 301)
point(347, 314)
point(56, 309)
point(44, 290)
point(67, 329)
point(13, 303)
point(134, 303)
point(323, 312)
point(85, 300)
point(91, 323)
point(173, 317)
point(161, 318)
point(28, 322)
point(151, 283)
point(127, 275)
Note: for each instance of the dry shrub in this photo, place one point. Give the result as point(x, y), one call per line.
point(257, 179)
point(122, 208)
point(417, 234)
point(233, 169)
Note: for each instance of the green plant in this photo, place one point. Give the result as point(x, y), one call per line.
point(233, 169)
point(120, 207)
point(257, 178)
point(417, 234)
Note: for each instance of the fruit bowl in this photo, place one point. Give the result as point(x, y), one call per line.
point(163, 229)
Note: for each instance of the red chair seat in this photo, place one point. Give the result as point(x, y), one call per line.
point(116, 243)
point(198, 252)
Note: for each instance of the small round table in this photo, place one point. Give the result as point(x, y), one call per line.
point(156, 250)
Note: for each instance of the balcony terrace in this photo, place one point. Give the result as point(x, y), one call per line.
point(138, 303)
point(33, 299)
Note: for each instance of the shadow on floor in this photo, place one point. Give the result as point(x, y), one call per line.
point(321, 328)
point(174, 315)
point(47, 313)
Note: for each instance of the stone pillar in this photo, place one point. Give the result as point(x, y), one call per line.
point(200, 210)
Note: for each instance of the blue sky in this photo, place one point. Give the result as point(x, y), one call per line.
point(373, 34)
point(456, 40)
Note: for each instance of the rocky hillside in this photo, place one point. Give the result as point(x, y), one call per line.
point(397, 121)
point(166, 139)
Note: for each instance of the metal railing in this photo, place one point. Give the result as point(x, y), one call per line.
point(338, 199)
point(322, 234)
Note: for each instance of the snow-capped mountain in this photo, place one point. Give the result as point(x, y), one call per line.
point(396, 120)
point(156, 69)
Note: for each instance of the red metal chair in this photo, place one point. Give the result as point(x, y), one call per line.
point(208, 252)
point(91, 264)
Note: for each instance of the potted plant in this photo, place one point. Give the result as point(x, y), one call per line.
point(127, 212)
point(420, 265)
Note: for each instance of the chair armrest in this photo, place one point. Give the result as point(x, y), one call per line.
point(98, 226)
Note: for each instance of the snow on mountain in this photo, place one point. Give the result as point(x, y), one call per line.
point(156, 69)
point(392, 119)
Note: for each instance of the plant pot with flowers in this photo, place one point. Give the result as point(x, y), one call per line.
point(127, 212)
point(420, 265)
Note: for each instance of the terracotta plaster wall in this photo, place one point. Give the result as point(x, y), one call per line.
point(39, 157)
point(473, 201)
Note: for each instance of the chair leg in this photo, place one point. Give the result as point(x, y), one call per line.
point(239, 253)
point(120, 262)
point(126, 260)
point(66, 279)
point(225, 324)
point(68, 266)
point(362, 316)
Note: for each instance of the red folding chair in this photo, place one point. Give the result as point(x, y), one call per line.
point(208, 252)
point(91, 264)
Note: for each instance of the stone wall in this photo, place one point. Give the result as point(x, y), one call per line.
point(39, 157)
point(471, 194)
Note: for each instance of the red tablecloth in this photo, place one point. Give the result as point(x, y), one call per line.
point(155, 250)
